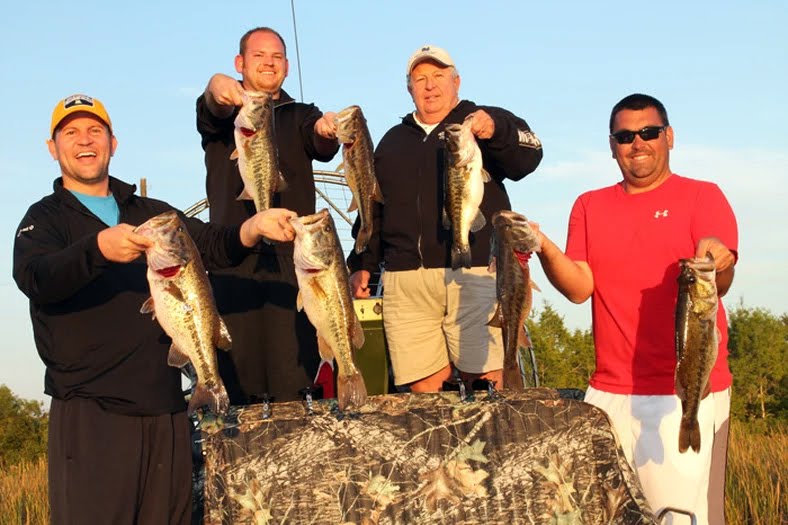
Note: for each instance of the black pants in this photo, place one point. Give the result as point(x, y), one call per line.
point(116, 469)
point(274, 348)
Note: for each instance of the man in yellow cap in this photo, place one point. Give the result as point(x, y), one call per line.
point(436, 316)
point(119, 446)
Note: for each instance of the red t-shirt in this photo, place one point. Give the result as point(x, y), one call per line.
point(633, 244)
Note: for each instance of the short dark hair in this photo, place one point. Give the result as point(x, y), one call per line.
point(637, 102)
point(245, 38)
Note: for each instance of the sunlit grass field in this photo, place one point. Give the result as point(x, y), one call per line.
point(755, 487)
point(23, 494)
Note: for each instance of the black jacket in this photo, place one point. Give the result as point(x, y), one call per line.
point(294, 125)
point(408, 230)
point(85, 310)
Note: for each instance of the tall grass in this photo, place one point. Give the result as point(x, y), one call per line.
point(755, 486)
point(755, 491)
point(23, 494)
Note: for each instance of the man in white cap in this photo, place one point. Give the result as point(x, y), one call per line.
point(119, 449)
point(436, 317)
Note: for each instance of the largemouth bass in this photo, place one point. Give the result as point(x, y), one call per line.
point(359, 168)
point(182, 301)
point(464, 189)
point(255, 149)
point(512, 242)
point(696, 342)
point(324, 293)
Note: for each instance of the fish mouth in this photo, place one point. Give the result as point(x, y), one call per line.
point(508, 216)
point(166, 221)
point(306, 221)
point(169, 272)
point(347, 113)
point(701, 264)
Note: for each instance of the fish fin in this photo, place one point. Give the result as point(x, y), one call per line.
point(324, 349)
point(223, 339)
point(351, 391)
point(362, 239)
point(356, 332)
point(176, 292)
point(706, 390)
point(353, 205)
point(523, 340)
point(535, 286)
point(377, 194)
point(244, 196)
point(299, 301)
point(148, 307)
point(177, 357)
point(486, 176)
point(214, 398)
point(497, 318)
point(281, 183)
point(234, 155)
point(320, 293)
point(689, 435)
point(460, 257)
point(446, 220)
point(478, 222)
point(493, 266)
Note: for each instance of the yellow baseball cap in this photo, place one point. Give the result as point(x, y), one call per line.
point(75, 104)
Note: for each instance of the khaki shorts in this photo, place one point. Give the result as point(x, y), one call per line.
point(433, 316)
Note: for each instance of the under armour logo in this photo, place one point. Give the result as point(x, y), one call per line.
point(658, 214)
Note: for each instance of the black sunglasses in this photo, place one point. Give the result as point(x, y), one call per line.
point(628, 137)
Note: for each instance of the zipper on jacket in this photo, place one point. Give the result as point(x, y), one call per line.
point(418, 241)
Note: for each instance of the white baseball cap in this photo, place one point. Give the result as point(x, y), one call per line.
point(428, 52)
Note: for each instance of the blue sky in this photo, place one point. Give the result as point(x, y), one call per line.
point(719, 67)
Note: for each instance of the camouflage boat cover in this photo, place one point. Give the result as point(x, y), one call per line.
point(529, 457)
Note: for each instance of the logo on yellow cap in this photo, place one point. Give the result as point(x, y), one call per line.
point(77, 103)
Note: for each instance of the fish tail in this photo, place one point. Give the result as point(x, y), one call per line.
point(689, 435)
point(461, 257)
point(214, 398)
point(351, 391)
point(362, 239)
point(512, 378)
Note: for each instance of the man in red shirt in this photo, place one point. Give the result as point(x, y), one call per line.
point(623, 248)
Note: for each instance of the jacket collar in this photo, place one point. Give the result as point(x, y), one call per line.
point(463, 107)
point(284, 98)
point(119, 189)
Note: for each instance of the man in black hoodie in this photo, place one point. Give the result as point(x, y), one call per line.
point(119, 439)
point(274, 346)
point(435, 316)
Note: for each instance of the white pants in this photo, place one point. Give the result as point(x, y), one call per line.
point(648, 431)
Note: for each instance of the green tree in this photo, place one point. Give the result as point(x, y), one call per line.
point(758, 347)
point(565, 359)
point(23, 429)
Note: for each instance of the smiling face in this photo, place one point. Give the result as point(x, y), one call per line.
point(83, 146)
point(263, 64)
point(435, 90)
point(644, 164)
